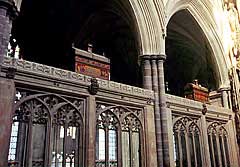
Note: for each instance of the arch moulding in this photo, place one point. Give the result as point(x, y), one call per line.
point(149, 26)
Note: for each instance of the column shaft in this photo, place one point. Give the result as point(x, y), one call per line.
point(157, 112)
point(163, 112)
point(147, 73)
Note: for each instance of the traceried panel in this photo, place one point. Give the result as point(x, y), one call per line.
point(66, 132)
point(32, 116)
point(115, 125)
point(187, 151)
point(107, 126)
point(218, 144)
point(46, 123)
point(131, 127)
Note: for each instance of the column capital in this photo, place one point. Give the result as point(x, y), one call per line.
point(154, 57)
point(10, 7)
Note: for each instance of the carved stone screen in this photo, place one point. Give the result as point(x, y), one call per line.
point(187, 142)
point(118, 139)
point(47, 130)
point(218, 144)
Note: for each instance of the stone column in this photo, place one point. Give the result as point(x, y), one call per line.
point(163, 111)
point(7, 87)
point(157, 111)
point(147, 72)
point(225, 98)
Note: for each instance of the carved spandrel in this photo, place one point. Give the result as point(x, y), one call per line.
point(216, 128)
point(186, 124)
point(37, 107)
point(31, 109)
point(107, 120)
point(67, 114)
point(129, 118)
point(131, 122)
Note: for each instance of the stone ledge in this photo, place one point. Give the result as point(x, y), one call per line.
point(56, 73)
point(180, 101)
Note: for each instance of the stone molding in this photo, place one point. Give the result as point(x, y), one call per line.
point(154, 57)
point(180, 101)
point(37, 69)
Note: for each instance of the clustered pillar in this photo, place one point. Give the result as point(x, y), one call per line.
point(154, 79)
point(7, 88)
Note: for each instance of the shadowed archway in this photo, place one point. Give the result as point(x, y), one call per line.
point(47, 30)
point(189, 55)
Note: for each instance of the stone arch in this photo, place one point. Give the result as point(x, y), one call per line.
point(205, 21)
point(151, 24)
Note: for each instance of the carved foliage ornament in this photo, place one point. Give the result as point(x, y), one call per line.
point(186, 124)
point(107, 120)
point(131, 122)
point(217, 128)
point(40, 107)
point(114, 116)
point(32, 109)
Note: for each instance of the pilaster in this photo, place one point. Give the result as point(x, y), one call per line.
point(233, 149)
point(203, 124)
point(150, 137)
point(7, 94)
point(91, 131)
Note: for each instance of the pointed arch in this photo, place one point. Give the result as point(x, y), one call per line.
point(203, 17)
